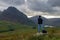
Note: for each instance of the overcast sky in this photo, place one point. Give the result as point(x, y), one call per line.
point(33, 7)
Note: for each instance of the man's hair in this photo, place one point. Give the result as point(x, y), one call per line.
point(39, 16)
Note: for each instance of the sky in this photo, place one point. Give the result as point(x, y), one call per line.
point(34, 7)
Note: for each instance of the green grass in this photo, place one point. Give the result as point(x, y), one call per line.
point(25, 32)
point(53, 34)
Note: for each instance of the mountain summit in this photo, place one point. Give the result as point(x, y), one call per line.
point(14, 15)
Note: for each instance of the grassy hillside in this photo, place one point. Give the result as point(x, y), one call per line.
point(5, 25)
point(53, 34)
point(25, 32)
point(20, 31)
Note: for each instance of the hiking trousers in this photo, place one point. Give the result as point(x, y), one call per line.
point(40, 27)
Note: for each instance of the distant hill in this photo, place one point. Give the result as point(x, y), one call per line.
point(35, 19)
point(54, 21)
point(14, 15)
point(49, 22)
point(0, 12)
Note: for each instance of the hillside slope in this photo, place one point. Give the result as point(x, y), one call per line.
point(12, 14)
point(27, 33)
point(6, 25)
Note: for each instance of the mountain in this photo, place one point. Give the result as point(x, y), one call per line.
point(54, 21)
point(50, 22)
point(35, 19)
point(14, 15)
point(0, 12)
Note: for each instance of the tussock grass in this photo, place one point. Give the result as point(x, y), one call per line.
point(26, 32)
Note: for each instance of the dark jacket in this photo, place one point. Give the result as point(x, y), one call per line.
point(40, 21)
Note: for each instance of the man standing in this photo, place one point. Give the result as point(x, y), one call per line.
point(40, 22)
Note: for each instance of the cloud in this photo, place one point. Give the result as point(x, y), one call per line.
point(4, 4)
point(38, 5)
point(54, 2)
point(13, 2)
point(33, 6)
point(56, 6)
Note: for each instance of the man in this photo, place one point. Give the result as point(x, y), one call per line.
point(40, 22)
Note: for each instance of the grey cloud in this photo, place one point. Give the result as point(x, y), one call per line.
point(38, 5)
point(13, 2)
point(54, 2)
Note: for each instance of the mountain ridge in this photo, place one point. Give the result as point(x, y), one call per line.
point(50, 22)
point(14, 15)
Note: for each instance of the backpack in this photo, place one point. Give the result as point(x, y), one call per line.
point(44, 31)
